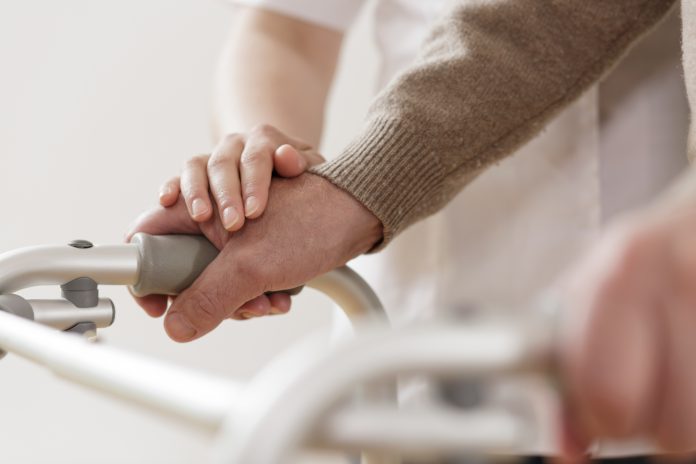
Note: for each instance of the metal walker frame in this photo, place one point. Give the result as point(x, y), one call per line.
point(307, 401)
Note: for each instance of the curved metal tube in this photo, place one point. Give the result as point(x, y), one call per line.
point(128, 376)
point(61, 314)
point(196, 398)
point(48, 265)
point(352, 294)
point(435, 431)
point(290, 394)
point(121, 374)
point(149, 256)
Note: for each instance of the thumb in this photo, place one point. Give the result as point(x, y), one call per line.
point(288, 161)
point(212, 298)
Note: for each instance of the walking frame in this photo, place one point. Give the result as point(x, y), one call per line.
point(342, 399)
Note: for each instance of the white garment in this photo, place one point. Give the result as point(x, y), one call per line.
point(512, 231)
point(335, 14)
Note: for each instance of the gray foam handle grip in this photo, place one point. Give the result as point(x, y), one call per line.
point(171, 263)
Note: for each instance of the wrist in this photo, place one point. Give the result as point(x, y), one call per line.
point(356, 226)
point(309, 227)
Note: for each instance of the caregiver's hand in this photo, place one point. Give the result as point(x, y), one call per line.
point(629, 331)
point(238, 174)
point(310, 227)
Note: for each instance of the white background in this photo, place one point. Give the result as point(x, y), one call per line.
point(99, 103)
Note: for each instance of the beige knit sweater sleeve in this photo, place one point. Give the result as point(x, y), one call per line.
point(489, 77)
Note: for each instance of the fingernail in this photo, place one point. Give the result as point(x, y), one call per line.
point(276, 311)
point(251, 205)
point(247, 315)
point(165, 191)
point(198, 207)
point(179, 328)
point(230, 217)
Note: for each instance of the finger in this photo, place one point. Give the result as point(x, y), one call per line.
point(610, 379)
point(313, 158)
point(308, 152)
point(223, 175)
point(610, 376)
point(259, 306)
point(264, 305)
point(169, 192)
point(194, 187)
point(256, 170)
point(154, 305)
point(161, 221)
point(572, 443)
point(291, 162)
point(208, 301)
point(280, 303)
point(675, 426)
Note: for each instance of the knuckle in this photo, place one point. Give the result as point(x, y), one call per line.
point(261, 153)
point(221, 160)
point(230, 141)
point(225, 197)
point(257, 273)
point(201, 159)
point(232, 138)
point(193, 189)
point(196, 162)
point(207, 309)
point(256, 185)
point(264, 129)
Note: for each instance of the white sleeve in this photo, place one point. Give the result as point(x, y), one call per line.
point(335, 14)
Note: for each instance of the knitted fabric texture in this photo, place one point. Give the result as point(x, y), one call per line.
point(490, 76)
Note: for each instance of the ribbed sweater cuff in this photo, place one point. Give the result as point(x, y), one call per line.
point(386, 169)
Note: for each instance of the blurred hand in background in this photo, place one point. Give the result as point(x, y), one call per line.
point(629, 332)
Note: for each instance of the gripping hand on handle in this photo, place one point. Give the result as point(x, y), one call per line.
point(310, 227)
point(231, 186)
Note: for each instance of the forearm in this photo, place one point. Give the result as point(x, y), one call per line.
point(490, 76)
point(275, 70)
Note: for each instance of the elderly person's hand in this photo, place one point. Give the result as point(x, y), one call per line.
point(231, 185)
point(629, 331)
point(310, 227)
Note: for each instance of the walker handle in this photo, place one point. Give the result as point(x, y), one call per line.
point(169, 264)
